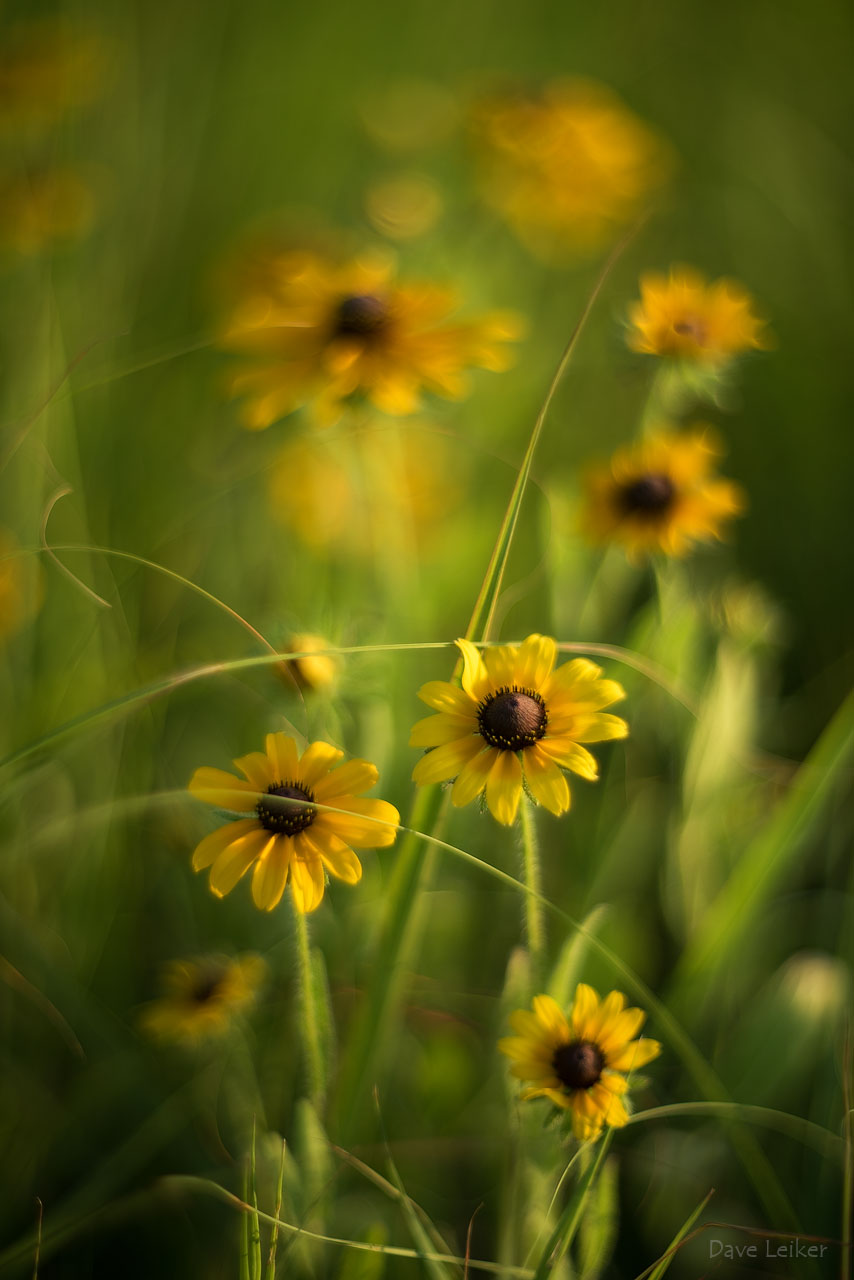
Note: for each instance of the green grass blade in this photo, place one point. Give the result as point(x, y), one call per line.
point(664, 1262)
point(568, 1223)
point(274, 1236)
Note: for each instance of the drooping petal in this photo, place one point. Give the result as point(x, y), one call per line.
point(446, 762)
point(307, 884)
point(472, 778)
point(270, 874)
point(569, 755)
point(475, 674)
point(504, 787)
point(337, 857)
point(547, 783)
point(234, 861)
point(223, 790)
point(209, 849)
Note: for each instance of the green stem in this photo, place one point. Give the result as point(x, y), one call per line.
point(308, 1013)
point(534, 919)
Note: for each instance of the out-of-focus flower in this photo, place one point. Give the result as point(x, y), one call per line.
point(399, 484)
point(331, 335)
point(403, 206)
point(46, 71)
point(314, 669)
point(410, 115)
point(21, 587)
point(203, 997)
point(38, 210)
point(681, 316)
point(288, 840)
point(579, 1062)
point(515, 716)
point(660, 494)
point(568, 166)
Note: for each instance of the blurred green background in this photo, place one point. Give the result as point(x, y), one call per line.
point(214, 117)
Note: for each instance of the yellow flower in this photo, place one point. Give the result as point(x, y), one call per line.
point(681, 316)
point(328, 334)
point(287, 840)
point(515, 714)
point(21, 587)
point(577, 1061)
point(567, 167)
point(38, 210)
point(315, 670)
point(660, 495)
point(202, 997)
point(392, 483)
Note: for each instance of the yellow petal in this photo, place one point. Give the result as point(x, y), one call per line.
point(620, 1029)
point(475, 675)
point(283, 756)
point(316, 761)
point(236, 860)
point(436, 731)
point(504, 787)
point(549, 1013)
point(585, 1009)
point(338, 858)
point(602, 728)
point(307, 884)
point(223, 790)
point(446, 762)
point(472, 778)
point(209, 849)
point(547, 783)
point(365, 824)
point(569, 755)
point(636, 1054)
point(352, 778)
point(446, 697)
point(534, 662)
point(270, 875)
point(256, 769)
point(500, 664)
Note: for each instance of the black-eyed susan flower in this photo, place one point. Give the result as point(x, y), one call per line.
point(313, 669)
point(661, 494)
point(681, 316)
point(515, 718)
point(320, 333)
point(202, 997)
point(568, 166)
point(287, 839)
point(579, 1061)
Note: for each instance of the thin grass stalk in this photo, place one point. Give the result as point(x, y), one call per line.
point(535, 924)
point(564, 1233)
point(308, 1014)
point(274, 1236)
point(848, 1165)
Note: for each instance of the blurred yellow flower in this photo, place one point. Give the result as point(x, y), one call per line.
point(567, 167)
point(404, 205)
point(21, 586)
point(578, 1061)
point(314, 670)
point(288, 840)
point(202, 997)
point(390, 484)
point(38, 210)
point(660, 495)
point(46, 70)
point(330, 334)
point(515, 716)
point(682, 316)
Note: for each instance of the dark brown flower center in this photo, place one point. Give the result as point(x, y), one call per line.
point(206, 984)
point(512, 718)
point(286, 819)
point(578, 1065)
point(691, 327)
point(361, 316)
point(650, 495)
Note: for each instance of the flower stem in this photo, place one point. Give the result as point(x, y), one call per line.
point(308, 1013)
point(534, 922)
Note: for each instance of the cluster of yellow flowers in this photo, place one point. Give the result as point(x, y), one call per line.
point(567, 167)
